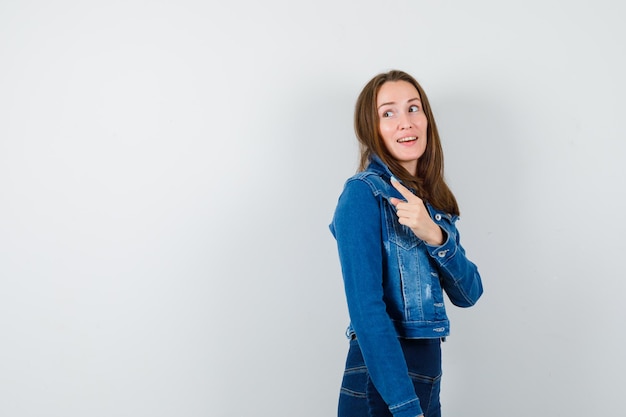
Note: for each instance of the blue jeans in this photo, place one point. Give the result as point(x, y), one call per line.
point(358, 396)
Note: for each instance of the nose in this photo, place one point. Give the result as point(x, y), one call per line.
point(405, 121)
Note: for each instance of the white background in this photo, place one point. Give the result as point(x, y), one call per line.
point(168, 170)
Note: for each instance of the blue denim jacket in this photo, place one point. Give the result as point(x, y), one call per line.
point(394, 281)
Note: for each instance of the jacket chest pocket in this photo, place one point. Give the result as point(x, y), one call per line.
point(397, 233)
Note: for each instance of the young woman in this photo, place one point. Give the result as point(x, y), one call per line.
point(399, 250)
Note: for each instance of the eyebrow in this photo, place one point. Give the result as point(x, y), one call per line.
point(393, 102)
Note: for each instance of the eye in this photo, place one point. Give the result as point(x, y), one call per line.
point(387, 113)
point(414, 108)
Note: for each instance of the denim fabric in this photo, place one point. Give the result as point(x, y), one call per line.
point(394, 281)
point(359, 398)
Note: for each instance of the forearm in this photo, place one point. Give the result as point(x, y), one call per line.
point(460, 277)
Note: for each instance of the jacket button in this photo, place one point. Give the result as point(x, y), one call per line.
point(438, 217)
point(441, 253)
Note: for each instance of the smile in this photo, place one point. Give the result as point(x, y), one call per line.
point(407, 139)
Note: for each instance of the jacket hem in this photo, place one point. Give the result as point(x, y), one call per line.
point(422, 330)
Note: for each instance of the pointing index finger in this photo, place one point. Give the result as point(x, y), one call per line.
point(406, 193)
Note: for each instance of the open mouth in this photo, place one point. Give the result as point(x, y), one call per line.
point(407, 139)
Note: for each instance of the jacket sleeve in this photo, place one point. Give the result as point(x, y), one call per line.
point(357, 228)
point(459, 276)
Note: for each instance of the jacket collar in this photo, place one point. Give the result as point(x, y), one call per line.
point(377, 165)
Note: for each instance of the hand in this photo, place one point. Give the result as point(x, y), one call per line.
point(413, 213)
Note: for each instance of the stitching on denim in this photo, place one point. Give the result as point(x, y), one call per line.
point(430, 398)
point(364, 176)
point(402, 404)
point(352, 393)
point(358, 369)
point(424, 378)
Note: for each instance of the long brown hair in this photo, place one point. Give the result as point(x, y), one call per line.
point(429, 182)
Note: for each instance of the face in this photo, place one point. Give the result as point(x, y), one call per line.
point(403, 124)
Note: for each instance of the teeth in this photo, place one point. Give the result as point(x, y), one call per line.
point(410, 138)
